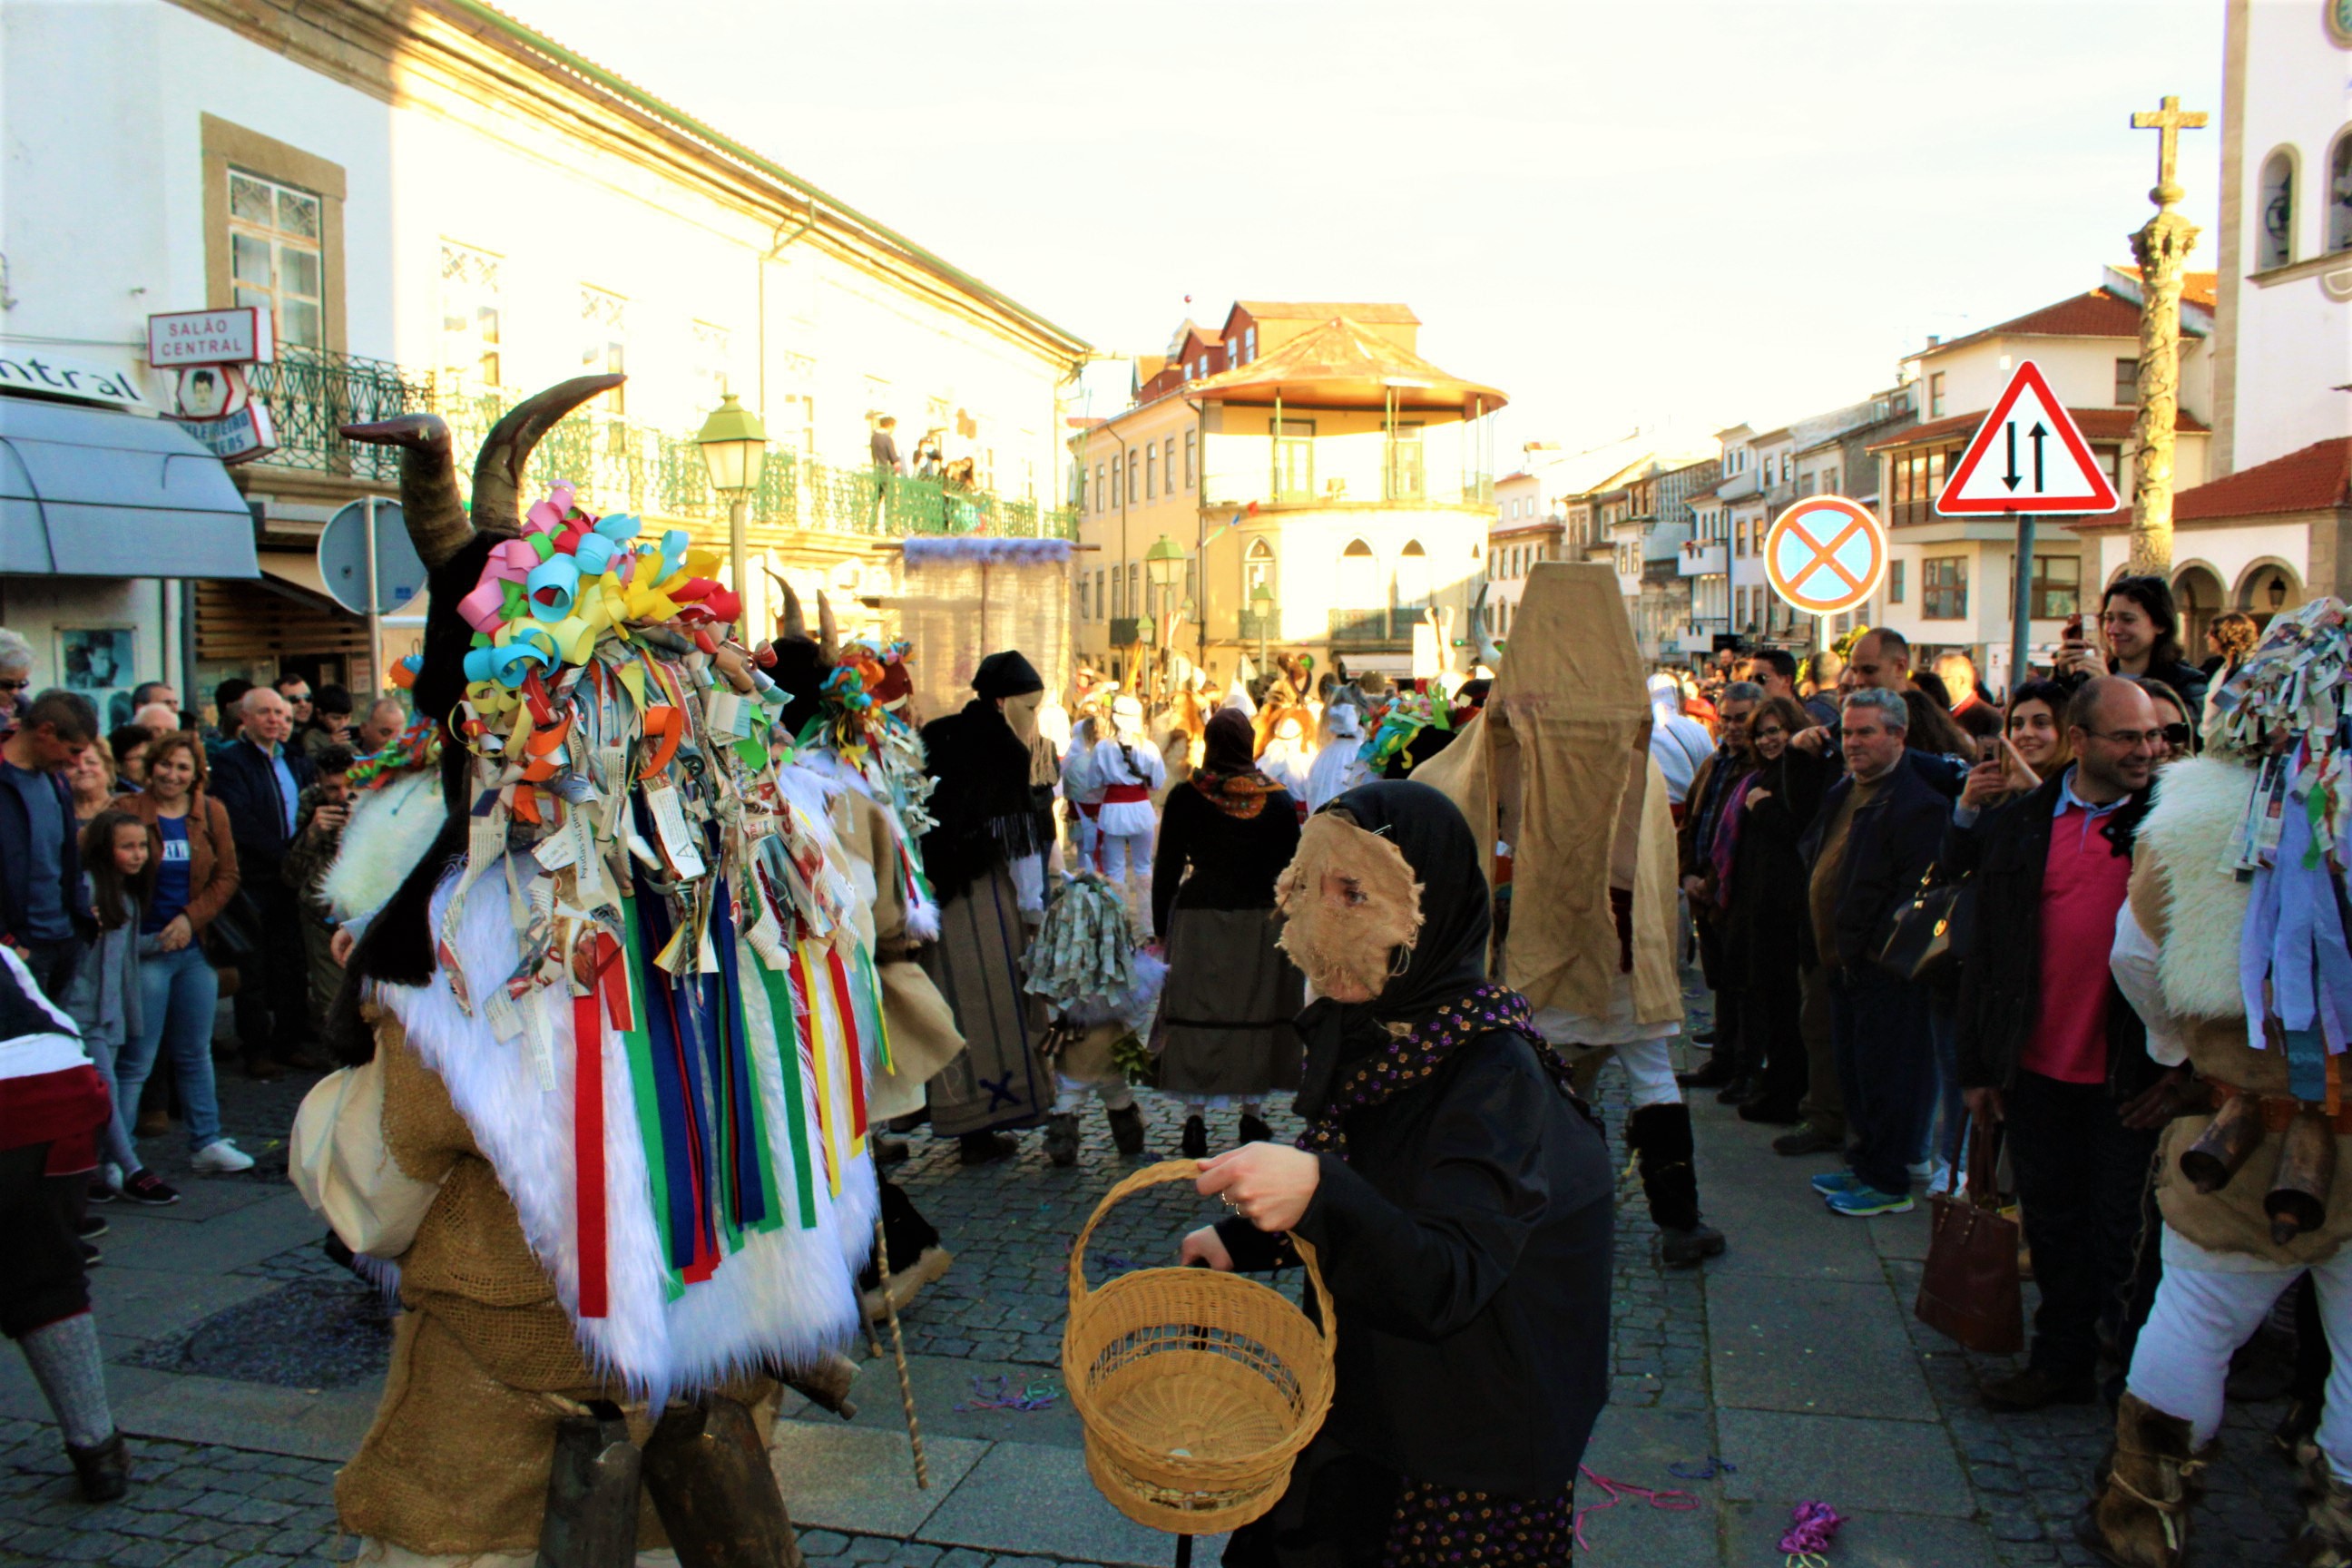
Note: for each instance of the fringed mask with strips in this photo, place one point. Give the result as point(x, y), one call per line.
point(1352, 909)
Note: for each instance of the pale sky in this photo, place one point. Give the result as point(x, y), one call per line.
point(1623, 214)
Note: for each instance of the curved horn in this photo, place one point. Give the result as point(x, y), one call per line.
point(505, 451)
point(428, 482)
point(828, 630)
point(792, 623)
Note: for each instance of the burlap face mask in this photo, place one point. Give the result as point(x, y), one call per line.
point(1351, 908)
point(1021, 712)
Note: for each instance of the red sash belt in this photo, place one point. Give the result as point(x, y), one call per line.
point(1090, 809)
point(1124, 794)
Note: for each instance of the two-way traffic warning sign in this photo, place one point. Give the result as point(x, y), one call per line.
point(2028, 456)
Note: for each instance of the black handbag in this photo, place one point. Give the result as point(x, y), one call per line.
point(1931, 932)
point(233, 939)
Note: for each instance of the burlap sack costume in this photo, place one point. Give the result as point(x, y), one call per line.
point(1557, 766)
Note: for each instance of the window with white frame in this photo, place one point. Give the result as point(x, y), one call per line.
point(604, 342)
point(277, 256)
point(472, 325)
point(712, 370)
point(2274, 229)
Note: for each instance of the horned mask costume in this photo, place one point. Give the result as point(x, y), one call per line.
point(609, 1040)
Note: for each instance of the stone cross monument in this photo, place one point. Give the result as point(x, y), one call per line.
point(2162, 246)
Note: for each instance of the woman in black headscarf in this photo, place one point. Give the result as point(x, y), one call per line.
point(1231, 995)
point(1458, 1196)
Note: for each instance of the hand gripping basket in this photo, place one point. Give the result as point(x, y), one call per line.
point(1197, 1388)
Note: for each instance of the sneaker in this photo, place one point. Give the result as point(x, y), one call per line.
point(143, 1186)
point(1772, 1112)
point(1862, 1202)
point(221, 1157)
point(90, 1226)
point(91, 1255)
point(100, 1193)
point(1831, 1182)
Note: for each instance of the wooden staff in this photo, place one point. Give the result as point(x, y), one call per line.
point(898, 1355)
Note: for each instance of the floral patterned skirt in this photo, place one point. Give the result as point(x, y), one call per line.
point(1441, 1527)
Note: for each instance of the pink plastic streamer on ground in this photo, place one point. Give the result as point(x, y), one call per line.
point(1618, 1492)
point(1811, 1526)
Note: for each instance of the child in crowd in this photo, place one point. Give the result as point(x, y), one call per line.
point(104, 998)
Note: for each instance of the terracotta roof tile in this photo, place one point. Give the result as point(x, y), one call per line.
point(2313, 479)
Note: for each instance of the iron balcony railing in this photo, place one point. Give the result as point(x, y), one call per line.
point(616, 464)
point(1373, 628)
point(312, 393)
point(621, 465)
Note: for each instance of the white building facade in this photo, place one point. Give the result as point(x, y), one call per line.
point(443, 210)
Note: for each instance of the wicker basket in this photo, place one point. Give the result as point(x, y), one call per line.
point(1197, 1388)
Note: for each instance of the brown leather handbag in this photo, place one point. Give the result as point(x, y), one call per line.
point(1969, 1291)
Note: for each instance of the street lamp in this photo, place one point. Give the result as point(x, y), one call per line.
point(1262, 606)
point(1163, 568)
point(735, 449)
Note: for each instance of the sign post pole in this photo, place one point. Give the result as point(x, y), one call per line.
point(375, 604)
point(2022, 602)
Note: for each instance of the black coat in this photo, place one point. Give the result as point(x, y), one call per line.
point(1234, 860)
point(1769, 880)
point(247, 786)
point(2000, 978)
point(1467, 1242)
point(1893, 840)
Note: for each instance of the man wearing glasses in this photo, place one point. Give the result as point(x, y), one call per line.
point(2050, 1050)
point(15, 675)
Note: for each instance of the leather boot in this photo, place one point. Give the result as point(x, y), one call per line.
point(2140, 1517)
point(1061, 1137)
point(1126, 1129)
point(102, 1469)
point(2325, 1539)
point(825, 1382)
point(592, 1494)
point(1660, 1136)
point(708, 1474)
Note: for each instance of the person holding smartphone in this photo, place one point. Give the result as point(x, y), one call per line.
point(320, 813)
point(2140, 626)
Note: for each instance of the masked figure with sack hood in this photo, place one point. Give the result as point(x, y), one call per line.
point(1557, 771)
point(608, 1028)
point(1460, 1202)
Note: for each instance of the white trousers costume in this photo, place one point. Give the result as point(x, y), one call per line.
point(1070, 1097)
point(1645, 1049)
point(2208, 1304)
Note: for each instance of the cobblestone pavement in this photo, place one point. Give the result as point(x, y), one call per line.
point(292, 1325)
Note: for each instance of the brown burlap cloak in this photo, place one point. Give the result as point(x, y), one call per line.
point(1557, 766)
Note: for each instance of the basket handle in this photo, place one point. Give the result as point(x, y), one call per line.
point(1161, 1174)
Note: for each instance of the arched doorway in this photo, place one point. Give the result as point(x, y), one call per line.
point(1412, 576)
point(2197, 591)
point(2269, 588)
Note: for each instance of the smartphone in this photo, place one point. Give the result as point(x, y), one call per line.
point(2073, 633)
point(1989, 749)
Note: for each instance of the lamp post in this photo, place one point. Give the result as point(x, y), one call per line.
point(735, 449)
point(1163, 568)
point(1262, 606)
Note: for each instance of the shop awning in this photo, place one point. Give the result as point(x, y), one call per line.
point(89, 492)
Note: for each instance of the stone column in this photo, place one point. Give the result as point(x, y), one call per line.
point(2162, 246)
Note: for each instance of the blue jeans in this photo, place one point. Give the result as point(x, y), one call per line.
point(179, 993)
point(1946, 1110)
point(114, 1138)
point(1886, 1066)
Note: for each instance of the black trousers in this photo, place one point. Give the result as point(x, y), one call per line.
point(1886, 1060)
point(1772, 1015)
point(1730, 987)
point(2081, 1175)
point(41, 1280)
point(273, 995)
